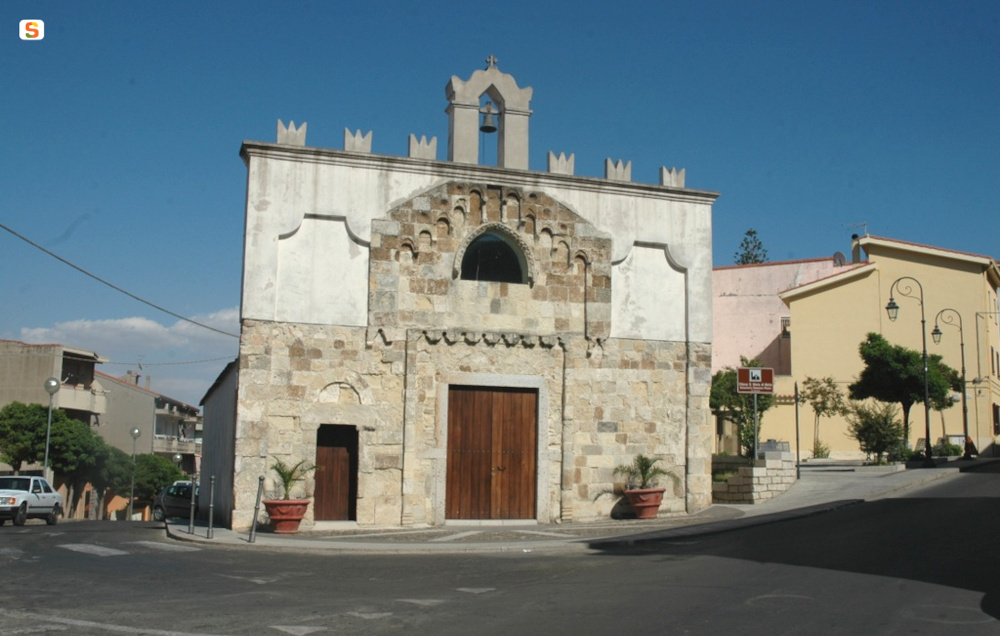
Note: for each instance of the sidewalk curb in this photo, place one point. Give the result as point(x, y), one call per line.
point(623, 540)
point(718, 527)
point(931, 476)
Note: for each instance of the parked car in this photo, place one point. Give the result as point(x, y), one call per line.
point(26, 497)
point(174, 501)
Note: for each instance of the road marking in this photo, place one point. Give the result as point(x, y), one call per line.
point(167, 547)
point(247, 578)
point(476, 590)
point(424, 602)
point(96, 550)
point(561, 535)
point(297, 630)
point(11, 553)
point(34, 630)
point(460, 535)
point(121, 629)
point(370, 615)
point(757, 600)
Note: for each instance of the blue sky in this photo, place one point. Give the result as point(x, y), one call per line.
point(123, 127)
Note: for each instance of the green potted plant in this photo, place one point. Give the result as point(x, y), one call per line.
point(286, 513)
point(640, 488)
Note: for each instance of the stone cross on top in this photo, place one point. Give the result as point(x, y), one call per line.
point(491, 61)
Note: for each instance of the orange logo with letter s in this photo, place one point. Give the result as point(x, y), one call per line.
point(32, 30)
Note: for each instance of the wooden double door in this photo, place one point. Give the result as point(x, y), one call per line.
point(492, 453)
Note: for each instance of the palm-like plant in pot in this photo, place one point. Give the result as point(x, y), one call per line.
point(640, 489)
point(286, 513)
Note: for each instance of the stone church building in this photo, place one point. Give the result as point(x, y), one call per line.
point(448, 341)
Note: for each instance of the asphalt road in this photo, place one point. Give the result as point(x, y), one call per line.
point(924, 563)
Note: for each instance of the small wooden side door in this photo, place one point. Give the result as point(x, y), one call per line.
point(336, 473)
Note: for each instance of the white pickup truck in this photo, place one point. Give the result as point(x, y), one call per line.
point(25, 497)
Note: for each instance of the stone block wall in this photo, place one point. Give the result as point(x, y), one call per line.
point(601, 400)
point(294, 378)
point(624, 398)
point(416, 258)
point(765, 479)
point(436, 360)
point(600, 404)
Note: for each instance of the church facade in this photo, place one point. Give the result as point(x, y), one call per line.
point(452, 342)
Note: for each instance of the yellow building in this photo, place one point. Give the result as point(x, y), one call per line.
point(829, 317)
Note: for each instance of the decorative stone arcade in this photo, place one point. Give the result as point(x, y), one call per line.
point(452, 342)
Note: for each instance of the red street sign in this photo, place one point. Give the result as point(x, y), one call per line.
point(754, 380)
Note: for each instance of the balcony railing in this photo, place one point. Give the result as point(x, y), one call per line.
point(170, 444)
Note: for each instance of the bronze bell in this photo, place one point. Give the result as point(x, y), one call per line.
point(489, 124)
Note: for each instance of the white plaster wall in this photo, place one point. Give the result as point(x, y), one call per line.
point(319, 269)
point(286, 183)
point(647, 297)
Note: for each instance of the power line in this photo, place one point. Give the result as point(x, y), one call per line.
point(115, 287)
point(169, 364)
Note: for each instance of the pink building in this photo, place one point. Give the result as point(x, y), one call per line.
point(749, 318)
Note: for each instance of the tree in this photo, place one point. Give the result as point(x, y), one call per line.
point(737, 407)
point(826, 399)
point(895, 374)
point(20, 426)
point(751, 250)
point(152, 474)
point(112, 475)
point(22, 434)
point(875, 427)
point(73, 456)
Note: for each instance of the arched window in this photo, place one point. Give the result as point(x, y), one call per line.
point(491, 258)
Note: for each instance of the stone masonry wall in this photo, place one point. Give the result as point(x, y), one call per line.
point(416, 258)
point(626, 397)
point(438, 359)
point(601, 400)
point(293, 378)
point(620, 398)
point(767, 478)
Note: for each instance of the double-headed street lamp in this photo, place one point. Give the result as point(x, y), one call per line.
point(892, 309)
point(51, 387)
point(936, 334)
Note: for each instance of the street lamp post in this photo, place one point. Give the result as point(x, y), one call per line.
point(977, 381)
point(892, 309)
point(135, 433)
point(936, 334)
point(51, 387)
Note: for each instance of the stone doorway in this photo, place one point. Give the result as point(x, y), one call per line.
point(492, 453)
point(336, 495)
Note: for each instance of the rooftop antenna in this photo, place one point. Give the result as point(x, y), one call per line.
point(863, 224)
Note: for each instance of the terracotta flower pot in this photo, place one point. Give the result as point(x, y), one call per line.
point(646, 502)
point(285, 514)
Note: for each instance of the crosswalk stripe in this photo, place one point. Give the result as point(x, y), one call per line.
point(105, 627)
point(370, 615)
point(167, 547)
point(96, 550)
point(460, 535)
point(425, 602)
